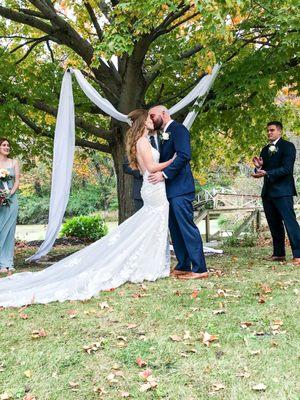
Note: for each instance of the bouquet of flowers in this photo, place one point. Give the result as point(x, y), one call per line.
point(4, 197)
point(4, 193)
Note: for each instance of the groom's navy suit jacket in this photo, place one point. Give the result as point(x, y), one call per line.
point(279, 181)
point(180, 179)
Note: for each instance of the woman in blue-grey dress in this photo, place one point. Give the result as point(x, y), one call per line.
point(8, 214)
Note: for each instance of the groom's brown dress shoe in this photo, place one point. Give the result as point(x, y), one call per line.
point(274, 258)
point(178, 272)
point(296, 261)
point(194, 275)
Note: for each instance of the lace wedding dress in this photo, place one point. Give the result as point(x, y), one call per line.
point(137, 250)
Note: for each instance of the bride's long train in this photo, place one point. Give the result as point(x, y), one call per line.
point(136, 250)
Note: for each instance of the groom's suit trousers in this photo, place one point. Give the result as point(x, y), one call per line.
point(185, 235)
point(279, 212)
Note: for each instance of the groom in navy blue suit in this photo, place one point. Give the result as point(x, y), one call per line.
point(180, 188)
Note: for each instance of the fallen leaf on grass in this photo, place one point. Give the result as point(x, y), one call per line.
point(195, 293)
point(23, 316)
point(208, 338)
point(187, 335)
point(38, 334)
point(104, 305)
point(131, 326)
point(176, 338)
point(244, 373)
point(29, 396)
point(151, 384)
point(262, 299)
point(218, 386)
point(217, 312)
point(72, 313)
point(99, 390)
point(125, 394)
point(112, 378)
point(261, 333)
point(254, 352)
point(246, 324)
point(74, 386)
point(28, 373)
point(92, 348)
point(265, 288)
point(5, 396)
point(145, 374)
point(141, 363)
point(260, 387)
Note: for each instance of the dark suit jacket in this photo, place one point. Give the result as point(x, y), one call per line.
point(137, 180)
point(279, 181)
point(180, 179)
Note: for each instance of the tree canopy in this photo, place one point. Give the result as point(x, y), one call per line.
point(142, 53)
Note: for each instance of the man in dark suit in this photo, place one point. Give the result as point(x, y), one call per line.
point(276, 165)
point(180, 189)
point(137, 182)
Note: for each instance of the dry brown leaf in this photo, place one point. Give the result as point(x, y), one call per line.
point(125, 394)
point(145, 374)
point(255, 352)
point(99, 390)
point(5, 396)
point(246, 324)
point(266, 289)
point(261, 299)
point(218, 386)
point(141, 363)
point(187, 335)
point(28, 373)
point(23, 316)
point(176, 338)
point(195, 293)
point(217, 312)
point(260, 387)
point(208, 338)
point(74, 386)
point(92, 348)
point(38, 334)
point(29, 396)
point(112, 378)
point(131, 326)
point(104, 305)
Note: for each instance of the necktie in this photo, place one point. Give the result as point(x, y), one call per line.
point(153, 142)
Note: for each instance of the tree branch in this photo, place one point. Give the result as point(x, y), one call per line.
point(191, 52)
point(94, 20)
point(78, 141)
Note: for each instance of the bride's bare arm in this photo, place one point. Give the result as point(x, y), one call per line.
point(144, 151)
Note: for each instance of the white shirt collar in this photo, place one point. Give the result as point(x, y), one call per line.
point(275, 141)
point(168, 124)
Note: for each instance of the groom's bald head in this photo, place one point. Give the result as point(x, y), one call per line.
point(160, 115)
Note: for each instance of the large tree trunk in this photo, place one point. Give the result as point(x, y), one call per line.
point(124, 181)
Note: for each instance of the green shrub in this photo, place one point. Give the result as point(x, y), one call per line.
point(84, 227)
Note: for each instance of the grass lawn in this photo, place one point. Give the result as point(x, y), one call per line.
point(89, 350)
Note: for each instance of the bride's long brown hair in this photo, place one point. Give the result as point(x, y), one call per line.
point(138, 118)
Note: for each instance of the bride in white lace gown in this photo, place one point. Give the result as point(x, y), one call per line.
point(137, 250)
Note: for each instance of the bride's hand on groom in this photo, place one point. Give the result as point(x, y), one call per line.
point(156, 177)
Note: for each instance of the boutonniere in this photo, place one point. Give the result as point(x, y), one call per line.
point(164, 136)
point(272, 149)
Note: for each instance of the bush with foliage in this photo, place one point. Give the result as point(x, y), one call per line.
point(85, 227)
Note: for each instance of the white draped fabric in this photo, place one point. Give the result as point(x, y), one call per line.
point(64, 147)
point(64, 142)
